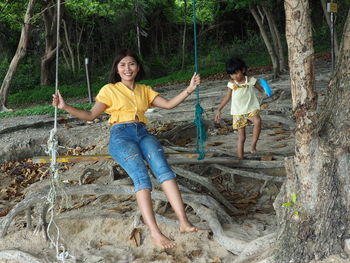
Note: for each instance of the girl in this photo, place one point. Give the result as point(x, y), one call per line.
point(245, 105)
point(130, 144)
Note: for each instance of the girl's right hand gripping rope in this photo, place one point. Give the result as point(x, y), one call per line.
point(266, 87)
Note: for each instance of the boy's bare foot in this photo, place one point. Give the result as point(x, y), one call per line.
point(162, 241)
point(187, 228)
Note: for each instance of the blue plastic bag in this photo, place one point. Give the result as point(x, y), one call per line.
point(266, 87)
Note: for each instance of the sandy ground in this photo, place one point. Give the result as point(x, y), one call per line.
point(98, 228)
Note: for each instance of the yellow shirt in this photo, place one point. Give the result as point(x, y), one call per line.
point(124, 104)
point(244, 99)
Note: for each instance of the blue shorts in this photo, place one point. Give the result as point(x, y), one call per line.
point(131, 145)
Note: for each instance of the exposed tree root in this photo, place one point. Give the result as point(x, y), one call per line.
point(18, 256)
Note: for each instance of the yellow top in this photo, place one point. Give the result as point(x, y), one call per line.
point(124, 104)
point(244, 99)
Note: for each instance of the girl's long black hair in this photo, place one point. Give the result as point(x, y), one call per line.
point(114, 76)
point(235, 64)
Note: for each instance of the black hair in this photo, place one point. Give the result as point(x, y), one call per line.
point(114, 76)
point(235, 64)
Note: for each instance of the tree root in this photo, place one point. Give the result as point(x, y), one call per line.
point(40, 197)
point(18, 256)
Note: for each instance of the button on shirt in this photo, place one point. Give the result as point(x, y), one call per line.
point(124, 104)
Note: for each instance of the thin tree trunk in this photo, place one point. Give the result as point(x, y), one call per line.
point(20, 53)
point(50, 23)
point(69, 47)
point(319, 172)
point(276, 37)
point(268, 44)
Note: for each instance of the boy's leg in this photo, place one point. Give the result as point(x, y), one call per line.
point(256, 132)
point(240, 143)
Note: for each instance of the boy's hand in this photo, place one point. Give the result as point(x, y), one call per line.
point(217, 116)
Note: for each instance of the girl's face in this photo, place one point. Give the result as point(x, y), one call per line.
point(127, 69)
point(238, 76)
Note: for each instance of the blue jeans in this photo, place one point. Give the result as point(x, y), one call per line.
point(131, 145)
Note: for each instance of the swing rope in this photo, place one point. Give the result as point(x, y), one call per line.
point(52, 144)
point(201, 135)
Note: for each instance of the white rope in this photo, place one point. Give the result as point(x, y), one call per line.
point(52, 144)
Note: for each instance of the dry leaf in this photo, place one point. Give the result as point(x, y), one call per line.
point(4, 211)
point(135, 236)
point(267, 157)
point(101, 244)
point(216, 260)
point(195, 253)
point(121, 209)
point(264, 106)
point(78, 205)
point(281, 145)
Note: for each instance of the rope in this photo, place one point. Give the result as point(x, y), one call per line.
point(52, 144)
point(201, 135)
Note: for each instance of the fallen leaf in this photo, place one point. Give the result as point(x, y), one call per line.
point(216, 260)
point(4, 211)
point(121, 209)
point(195, 253)
point(264, 106)
point(135, 236)
point(101, 244)
point(267, 157)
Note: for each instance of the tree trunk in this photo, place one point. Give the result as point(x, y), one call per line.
point(276, 37)
point(267, 41)
point(319, 172)
point(69, 47)
point(184, 36)
point(20, 53)
point(47, 60)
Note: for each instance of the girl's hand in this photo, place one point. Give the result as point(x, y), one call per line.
point(57, 100)
point(217, 117)
point(195, 80)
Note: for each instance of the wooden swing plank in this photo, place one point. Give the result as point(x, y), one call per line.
point(92, 158)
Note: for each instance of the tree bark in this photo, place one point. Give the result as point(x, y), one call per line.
point(20, 53)
point(319, 172)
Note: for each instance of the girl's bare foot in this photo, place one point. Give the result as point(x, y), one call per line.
point(187, 228)
point(162, 241)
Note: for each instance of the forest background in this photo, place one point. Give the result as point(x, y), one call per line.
point(161, 31)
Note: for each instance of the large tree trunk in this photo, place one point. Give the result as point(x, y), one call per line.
point(20, 53)
point(267, 41)
point(319, 172)
point(47, 60)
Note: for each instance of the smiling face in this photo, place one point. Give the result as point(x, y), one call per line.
point(127, 69)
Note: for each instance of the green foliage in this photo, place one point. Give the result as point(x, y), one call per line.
point(292, 204)
point(41, 110)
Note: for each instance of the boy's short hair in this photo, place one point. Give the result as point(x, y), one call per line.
point(235, 64)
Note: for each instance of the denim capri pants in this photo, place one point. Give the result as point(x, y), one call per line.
point(131, 145)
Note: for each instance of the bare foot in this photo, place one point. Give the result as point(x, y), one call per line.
point(240, 157)
point(253, 151)
point(187, 228)
point(162, 241)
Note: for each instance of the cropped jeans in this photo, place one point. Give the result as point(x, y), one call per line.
point(131, 145)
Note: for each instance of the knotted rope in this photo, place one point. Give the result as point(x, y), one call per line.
point(52, 144)
point(201, 135)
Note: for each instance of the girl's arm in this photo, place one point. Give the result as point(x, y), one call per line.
point(258, 87)
point(169, 104)
point(96, 110)
point(222, 104)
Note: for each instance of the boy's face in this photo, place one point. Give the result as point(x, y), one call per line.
point(238, 75)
